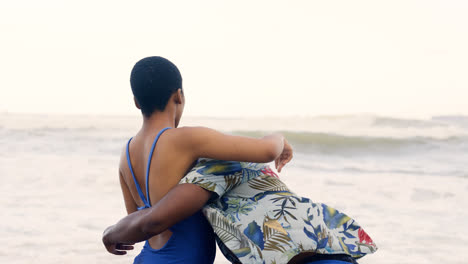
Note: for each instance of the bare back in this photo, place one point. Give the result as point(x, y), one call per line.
point(169, 164)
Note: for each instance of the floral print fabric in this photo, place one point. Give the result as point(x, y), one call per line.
point(257, 219)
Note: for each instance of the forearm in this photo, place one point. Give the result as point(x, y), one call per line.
point(181, 202)
point(131, 229)
point(202, 142)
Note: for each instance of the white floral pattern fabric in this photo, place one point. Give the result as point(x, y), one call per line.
point(257, 219)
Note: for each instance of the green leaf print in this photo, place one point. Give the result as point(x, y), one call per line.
point(232, 181)
point(267, 183)
point(207, 185)
point(274, 235)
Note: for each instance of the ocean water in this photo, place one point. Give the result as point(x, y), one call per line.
point(404, 180)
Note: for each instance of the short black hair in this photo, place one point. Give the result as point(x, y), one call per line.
point(153, 80)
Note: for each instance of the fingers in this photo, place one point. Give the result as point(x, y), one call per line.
point(125, 244)
point(119, 252)
point(280, 163)
point(119, 249)
point(124, 247)
point(283, 162)
point(285, 157)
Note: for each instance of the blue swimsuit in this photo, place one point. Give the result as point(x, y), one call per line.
point(192, 240)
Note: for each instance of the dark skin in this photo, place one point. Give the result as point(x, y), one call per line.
point(175, 154)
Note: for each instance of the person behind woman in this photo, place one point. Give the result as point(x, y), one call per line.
point(157, 88)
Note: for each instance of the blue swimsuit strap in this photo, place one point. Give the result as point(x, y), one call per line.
point(142, 196)
point(149, 163)
point(140, 192)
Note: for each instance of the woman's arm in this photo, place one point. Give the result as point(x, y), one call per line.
point(209, 143)
point(144, 224)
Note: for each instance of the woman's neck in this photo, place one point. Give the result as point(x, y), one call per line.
point(157, 121)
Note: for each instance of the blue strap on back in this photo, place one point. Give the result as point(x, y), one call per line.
point(142, 196)
point(140, 192)
point(149, 163)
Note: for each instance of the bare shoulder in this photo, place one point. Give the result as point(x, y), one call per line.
point(194, 129)
point(189, 134)
point(189, 139)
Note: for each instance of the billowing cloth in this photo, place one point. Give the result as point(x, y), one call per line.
point(257, 219)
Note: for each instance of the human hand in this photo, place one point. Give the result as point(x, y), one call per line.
point(285, 156)
point(114, 247)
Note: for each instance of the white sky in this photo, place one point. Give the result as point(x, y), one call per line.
point(239, 58)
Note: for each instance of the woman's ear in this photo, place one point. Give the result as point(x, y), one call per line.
point(136, 103)
point(179, 97)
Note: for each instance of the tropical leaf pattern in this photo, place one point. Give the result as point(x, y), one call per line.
point(275, 236)
point(238, 207)
point(257, 219)
point(267, 183)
